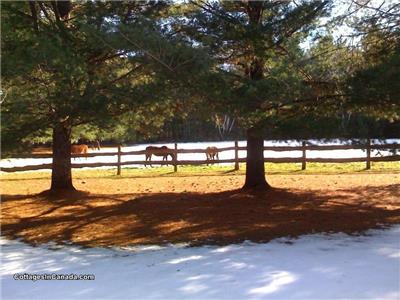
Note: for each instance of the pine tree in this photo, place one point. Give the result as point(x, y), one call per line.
point(255, 45)
point(71, 63)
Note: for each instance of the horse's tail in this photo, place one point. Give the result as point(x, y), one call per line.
point(85, 150)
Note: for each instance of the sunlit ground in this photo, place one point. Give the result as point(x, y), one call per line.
point(197, 209)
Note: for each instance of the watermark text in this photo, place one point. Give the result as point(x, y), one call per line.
point(53, 276)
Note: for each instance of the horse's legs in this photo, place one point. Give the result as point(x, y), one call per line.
point(148, 158)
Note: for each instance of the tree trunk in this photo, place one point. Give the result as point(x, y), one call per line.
point(255, 172)
point(61, 177)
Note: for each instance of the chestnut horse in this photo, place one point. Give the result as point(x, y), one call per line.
point(79, 149)
point(212, 153)
point(163, 151)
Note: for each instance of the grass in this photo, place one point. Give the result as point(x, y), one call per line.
point(213, 170)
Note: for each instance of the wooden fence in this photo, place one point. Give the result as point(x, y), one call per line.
point(236, 160)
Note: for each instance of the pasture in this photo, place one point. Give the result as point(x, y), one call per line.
point(318, 155)
point(200, 150)
point(160, 208)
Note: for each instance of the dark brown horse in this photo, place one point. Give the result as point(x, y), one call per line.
point(212, 153)
point(163, 151)
point(95, 145)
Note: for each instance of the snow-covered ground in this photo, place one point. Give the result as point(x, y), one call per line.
point(6, 163)
point(311, 267)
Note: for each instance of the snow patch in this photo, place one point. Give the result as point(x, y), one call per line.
point(323, 266)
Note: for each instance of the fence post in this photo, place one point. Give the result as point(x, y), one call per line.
point(236, 156)
point(368, 161)
point(175, 160)
point(119, 160)
point(304, 157)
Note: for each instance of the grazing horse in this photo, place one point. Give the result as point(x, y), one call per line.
point(163, 151)
point(79, 149)
point(95, 145)
point(212, 153)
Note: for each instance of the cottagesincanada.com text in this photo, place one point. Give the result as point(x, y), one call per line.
point(53, 276)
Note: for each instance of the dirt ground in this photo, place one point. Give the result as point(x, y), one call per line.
point(197, 209)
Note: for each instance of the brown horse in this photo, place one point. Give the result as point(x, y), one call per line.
point(163, 151)
point(79, 149)
point(95, 145)
point(212, 153)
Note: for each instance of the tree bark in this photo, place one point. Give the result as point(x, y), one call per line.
point(61, 176)
point(255, 171)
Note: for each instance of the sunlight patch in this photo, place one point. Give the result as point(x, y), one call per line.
point(276, 280)
point(237, 265)
point(389, 252)
point(198, 277)
point(183, 259)
point(223, 249)
point(193, 288)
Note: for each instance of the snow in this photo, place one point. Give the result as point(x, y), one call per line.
point(19, 162)
point(324, 266)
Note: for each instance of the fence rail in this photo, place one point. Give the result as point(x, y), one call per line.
point(236, 160)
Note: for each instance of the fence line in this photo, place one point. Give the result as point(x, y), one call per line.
point(236, 160)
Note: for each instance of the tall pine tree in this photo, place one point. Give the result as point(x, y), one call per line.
point(71, 63)
point(256, 48)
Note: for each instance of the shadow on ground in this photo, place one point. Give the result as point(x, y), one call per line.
point(212, 218)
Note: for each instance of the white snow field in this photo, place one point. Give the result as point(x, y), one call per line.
point(331, 266)
point(20, 162)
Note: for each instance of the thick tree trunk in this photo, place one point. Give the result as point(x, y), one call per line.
point(255, 172)
point(61, 177)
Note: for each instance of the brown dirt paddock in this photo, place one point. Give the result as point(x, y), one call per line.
point(197, 209)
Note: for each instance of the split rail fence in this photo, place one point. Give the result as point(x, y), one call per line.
point(236, 160)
